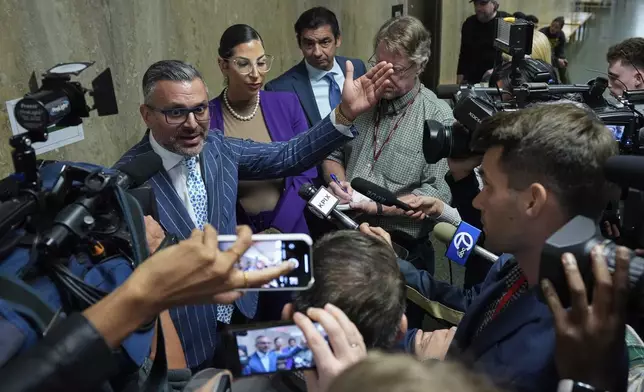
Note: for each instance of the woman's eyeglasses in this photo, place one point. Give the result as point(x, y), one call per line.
point(245, 66)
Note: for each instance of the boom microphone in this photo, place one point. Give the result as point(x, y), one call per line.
point(322, 203)
point(444, 232)
point(625, 170)
point(378, 194)
point(447, 91)
point(75, 220)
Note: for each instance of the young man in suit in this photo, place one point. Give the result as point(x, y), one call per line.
point(541, 167)
point(202, 170)
point(319, 78)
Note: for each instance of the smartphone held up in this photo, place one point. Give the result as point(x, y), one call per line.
point(279, 347)
point(270, 250)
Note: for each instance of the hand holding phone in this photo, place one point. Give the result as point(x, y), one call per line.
point(270, 250)
point(347, 345)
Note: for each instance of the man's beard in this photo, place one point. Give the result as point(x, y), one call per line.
point(174, 145)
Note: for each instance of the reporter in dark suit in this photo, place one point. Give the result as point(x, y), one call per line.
point(542, 166)
point(318, 79)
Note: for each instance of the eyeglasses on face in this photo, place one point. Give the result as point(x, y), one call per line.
point(245, 66)
point(398, 71)
point(177, 116)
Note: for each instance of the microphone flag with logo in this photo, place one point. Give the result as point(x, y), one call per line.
point(462, 243)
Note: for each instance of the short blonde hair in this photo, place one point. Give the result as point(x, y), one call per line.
point(407, 36)
point(403, 373)
point(541, 49)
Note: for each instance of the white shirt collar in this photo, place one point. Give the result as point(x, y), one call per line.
point(317, 74)
point(170, 159)
point(261, 354)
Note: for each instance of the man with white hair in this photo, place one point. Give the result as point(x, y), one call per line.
point(388, 148)
point(477, 38)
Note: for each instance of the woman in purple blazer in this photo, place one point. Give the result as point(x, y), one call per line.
point(244, 111)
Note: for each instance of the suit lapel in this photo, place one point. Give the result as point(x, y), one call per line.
point(526, 309)
point(173, 215)
point(470, 321)
point(302, 87)
point(218, 214)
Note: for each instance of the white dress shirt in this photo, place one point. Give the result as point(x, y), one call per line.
point(177, 170)
point(320, 85)
point(266, 361)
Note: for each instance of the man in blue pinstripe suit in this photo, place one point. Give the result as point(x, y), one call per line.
point(202, 169)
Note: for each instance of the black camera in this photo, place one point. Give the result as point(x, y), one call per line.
point(439, 141)
point(579, 236)
point(529, 82)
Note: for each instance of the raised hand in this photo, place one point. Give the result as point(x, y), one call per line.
point(347, 345)
point(361, 94)
point(590, 338)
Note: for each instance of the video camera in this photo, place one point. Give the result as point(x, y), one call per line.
point(529, 83)
point(62, 209)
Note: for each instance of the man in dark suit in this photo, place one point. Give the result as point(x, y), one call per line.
point(319, 78)
point(202, 169)
point(532, 187)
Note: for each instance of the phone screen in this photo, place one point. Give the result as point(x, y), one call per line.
point(617, 131)
point(264, 253)
point(273, 349)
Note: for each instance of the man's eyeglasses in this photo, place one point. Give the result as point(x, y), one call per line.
point(398, 71)
point(177, 116)
point(245, 66)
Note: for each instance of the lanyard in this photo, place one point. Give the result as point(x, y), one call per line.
point(376, 151)
point(508, 295)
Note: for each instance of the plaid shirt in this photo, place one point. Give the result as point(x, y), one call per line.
point(635, 348)
point(401, 166)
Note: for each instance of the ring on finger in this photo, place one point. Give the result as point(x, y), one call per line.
point(245, 279)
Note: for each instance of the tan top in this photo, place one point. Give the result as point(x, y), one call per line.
point(254, 196)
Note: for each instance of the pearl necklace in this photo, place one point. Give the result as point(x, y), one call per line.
point(237, 115)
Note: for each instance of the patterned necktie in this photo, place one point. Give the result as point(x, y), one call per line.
point(199, 202)
point(335, 95)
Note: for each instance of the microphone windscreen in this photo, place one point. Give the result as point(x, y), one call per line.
point(444, 232)
point(307, 191)
point(625, 170)
point(374, 192)
point(447, 91)
point(142, 168)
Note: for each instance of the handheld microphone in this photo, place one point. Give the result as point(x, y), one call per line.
point(378, 194)
point(323, 204)
point(444, 232)
point(75, 220)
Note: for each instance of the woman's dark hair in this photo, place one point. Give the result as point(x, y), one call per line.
point(532, 18)
point(519, 15)
point(235, 35)
point(314, 18)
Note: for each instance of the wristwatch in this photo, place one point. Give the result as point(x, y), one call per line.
point(340, 118)
point(576, 386)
